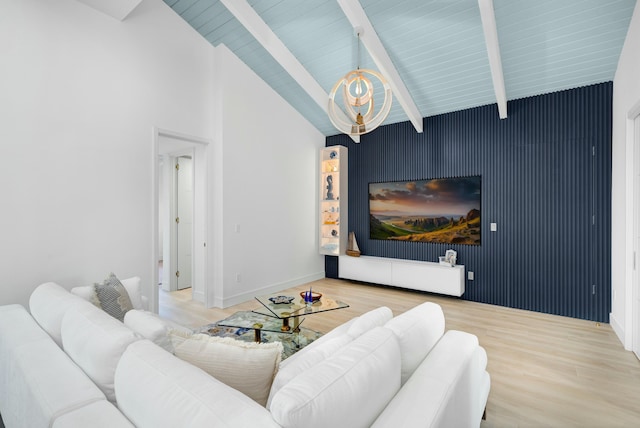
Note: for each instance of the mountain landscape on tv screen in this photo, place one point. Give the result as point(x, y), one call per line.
point(451, 230)
point(440, 210)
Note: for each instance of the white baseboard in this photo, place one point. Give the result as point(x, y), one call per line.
point(198, 296)
point(269, 289)
point(618, 329)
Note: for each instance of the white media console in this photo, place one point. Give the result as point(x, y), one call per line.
point(416, 275)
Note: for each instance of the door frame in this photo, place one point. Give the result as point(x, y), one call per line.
point(632, 251)
point(634, 294)
point(200, 148)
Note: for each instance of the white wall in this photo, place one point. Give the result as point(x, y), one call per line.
point(626, 95)
point(80, 93)
point(270, 158)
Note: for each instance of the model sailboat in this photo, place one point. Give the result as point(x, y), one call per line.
point(352, 246)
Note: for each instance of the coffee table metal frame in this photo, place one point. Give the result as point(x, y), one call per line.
point(295, 309)
point(259, 323)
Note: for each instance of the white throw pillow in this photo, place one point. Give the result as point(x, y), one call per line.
point(152, 327)
point(88, 293)
point(246, 366)
point(132, 285)
point(417, 330)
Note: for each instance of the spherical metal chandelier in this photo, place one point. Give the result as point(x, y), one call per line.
point(356, 89)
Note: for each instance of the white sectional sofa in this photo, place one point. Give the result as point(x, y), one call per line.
point(69, 364)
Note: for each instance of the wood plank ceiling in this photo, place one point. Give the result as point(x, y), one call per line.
point(438, 47)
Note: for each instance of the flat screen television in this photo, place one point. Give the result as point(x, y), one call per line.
point(438, 210)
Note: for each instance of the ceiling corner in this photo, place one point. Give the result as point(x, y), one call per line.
point(118, 9)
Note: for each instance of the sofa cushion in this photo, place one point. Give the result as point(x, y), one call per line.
point(246, 366)
point(417, 330)
point(38, 381)
point(132, 285)
point(446, 380)
point(367, 321)
point(96, 341)
point(48, 304)
point(156, 389)
point(113, 297)
point(349, 389)
point(152, 327)
point(327, 345)
point(315, 356)
point(339, 331)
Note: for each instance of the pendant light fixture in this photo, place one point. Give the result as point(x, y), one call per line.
point(356, 89)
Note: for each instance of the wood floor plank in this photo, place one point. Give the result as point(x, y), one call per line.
point(546, 370)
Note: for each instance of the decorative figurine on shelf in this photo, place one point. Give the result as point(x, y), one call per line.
point(329, 187)
point(329, 219)
point(352, 246)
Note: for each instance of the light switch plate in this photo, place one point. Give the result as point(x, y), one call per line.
point(494, 227)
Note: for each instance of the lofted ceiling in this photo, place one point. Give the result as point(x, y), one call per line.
point(437, 47)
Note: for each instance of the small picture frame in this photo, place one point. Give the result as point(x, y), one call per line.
point(450, 257)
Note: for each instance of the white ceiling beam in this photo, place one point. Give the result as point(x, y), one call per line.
point(489, 27)
point(358, 18)
point(250, 19)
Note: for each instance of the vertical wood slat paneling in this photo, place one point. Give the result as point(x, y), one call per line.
point(540, 183)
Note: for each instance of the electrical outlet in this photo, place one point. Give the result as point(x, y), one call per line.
point(238, 277)
point(494, 227)
point(470, 276)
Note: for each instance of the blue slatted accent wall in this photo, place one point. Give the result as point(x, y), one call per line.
point(546, 182)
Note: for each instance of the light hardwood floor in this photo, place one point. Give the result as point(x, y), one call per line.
point(546, 370)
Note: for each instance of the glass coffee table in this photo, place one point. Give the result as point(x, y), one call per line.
point(286, 307)
point(276, 313)
point(252, 320)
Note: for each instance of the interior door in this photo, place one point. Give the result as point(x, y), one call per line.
point(184, 220)
point(635, 329)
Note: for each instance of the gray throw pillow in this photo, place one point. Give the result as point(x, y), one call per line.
point(113, 297)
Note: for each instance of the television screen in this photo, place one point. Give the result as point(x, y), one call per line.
point(442, 210)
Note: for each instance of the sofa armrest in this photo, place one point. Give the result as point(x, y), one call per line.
point(447, 389)
point(99, 414)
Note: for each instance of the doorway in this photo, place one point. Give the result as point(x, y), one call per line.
point(179, 222)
